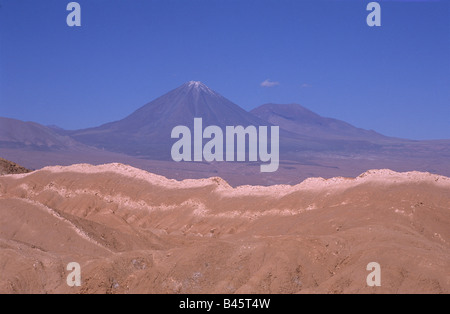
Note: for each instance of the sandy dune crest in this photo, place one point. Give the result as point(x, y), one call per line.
point(136, 232)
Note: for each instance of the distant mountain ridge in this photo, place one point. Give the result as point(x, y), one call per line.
point(300, 120)
point(310, 145)
point(30, 135)
point(147, 131)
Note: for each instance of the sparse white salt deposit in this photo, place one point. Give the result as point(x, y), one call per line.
point(389, 176)
point(118, 199)
point(52, 212)
point(17, 176)
point(383, 176)
point(223, 189)
point(254, 190)
point(133, 173)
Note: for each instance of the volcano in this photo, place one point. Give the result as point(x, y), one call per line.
point(309, 145)
point(146, 133)
point(299, 120)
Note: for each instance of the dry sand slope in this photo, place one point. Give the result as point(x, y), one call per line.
point(135, 232)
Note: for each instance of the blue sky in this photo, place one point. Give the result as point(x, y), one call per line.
point(394, 79)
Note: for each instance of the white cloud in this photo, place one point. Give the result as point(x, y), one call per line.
point(269, 83)
point(305, 85)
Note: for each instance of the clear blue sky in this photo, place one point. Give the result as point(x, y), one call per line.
point(394, 79)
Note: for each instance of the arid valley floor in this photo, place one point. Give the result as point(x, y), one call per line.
point(135, 232)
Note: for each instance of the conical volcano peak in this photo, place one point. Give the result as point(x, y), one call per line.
point(155, 121)
point(195, 83)
point(199, 86)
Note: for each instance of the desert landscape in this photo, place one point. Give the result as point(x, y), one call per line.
point(132, 231)
point(224, 147)
point(310, 145)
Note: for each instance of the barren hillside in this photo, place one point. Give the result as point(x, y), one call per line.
point(9, 167)
point(135, 232)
